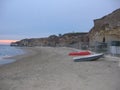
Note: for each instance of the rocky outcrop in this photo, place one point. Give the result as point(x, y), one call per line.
point(106, 29)
point(67, 39)
point(73, 38)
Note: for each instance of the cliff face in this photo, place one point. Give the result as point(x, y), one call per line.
point(53, 40)
point(106, 29)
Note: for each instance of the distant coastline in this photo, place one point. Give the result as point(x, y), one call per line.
point(105, 30)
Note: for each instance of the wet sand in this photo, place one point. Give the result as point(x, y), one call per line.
point(47, 68)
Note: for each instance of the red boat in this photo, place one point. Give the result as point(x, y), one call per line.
point(81, 53)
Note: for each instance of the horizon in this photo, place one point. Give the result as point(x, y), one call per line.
point(6, 42)
point(22, 19)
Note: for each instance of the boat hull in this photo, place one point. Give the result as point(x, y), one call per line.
point(88, 57)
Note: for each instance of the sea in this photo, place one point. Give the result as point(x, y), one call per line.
point(8, 51)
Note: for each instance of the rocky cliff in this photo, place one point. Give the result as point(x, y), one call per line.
point(106, 29)
point(53, 40)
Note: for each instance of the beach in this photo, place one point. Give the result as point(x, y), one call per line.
point(51, 68)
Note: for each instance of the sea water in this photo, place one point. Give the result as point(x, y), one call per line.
point(8, 51)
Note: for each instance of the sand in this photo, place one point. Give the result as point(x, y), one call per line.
point(48, 68)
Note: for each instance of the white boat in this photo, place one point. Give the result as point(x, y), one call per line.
point(91, 57)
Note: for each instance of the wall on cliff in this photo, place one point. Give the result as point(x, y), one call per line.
point(106, 29)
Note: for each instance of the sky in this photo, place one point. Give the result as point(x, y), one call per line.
point(21, 19)
point(6, 42)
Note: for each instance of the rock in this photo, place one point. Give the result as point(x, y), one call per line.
point(67, 39)
point(106, 29)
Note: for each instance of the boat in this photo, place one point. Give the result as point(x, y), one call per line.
point(91, 57)
point(80, 53)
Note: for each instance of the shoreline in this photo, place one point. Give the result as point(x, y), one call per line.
point(8, 53)
point(48, 68)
